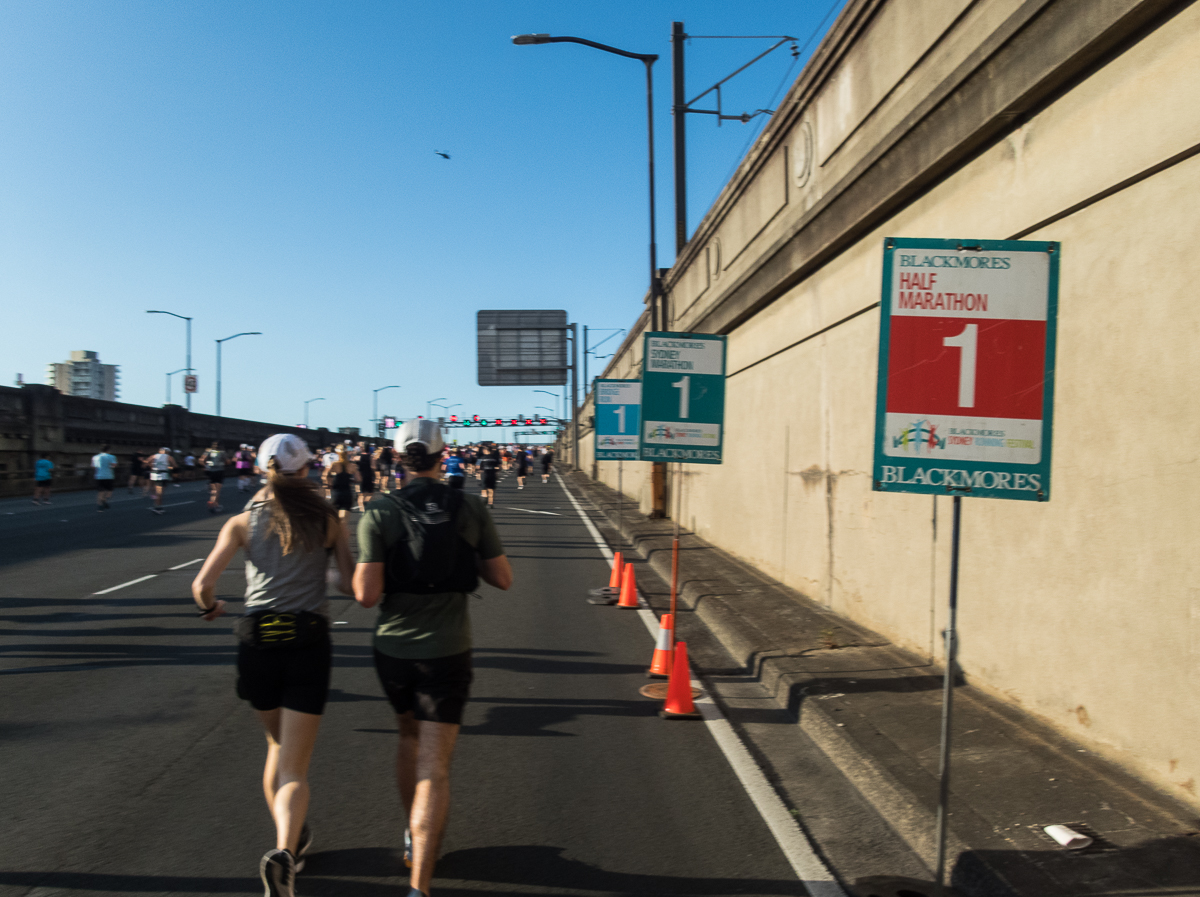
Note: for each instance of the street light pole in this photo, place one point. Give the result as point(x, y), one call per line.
point(306, 401)
point(227, 339)
point(429, 404)
point(648, 59)
point(189, 344)
point(375, 407)
point(169, 376)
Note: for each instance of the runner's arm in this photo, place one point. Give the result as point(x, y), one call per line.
point(232, 537)
point(368, 583)
point(496, 572)
point(341, 552)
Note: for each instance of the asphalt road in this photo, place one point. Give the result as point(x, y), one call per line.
point(130, 767)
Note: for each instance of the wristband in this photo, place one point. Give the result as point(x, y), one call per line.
point(205, 613)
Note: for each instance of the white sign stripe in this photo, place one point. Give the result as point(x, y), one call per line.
point(131, 582)
point(188, 564)
point(792, 841)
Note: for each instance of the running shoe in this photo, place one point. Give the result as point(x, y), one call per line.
point(302, 848)
point(278, 872)
point(408, 850)
point(416, 893)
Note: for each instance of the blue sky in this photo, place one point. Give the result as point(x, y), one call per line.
point(271, 166)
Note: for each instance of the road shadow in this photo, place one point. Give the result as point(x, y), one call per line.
point(534, 716)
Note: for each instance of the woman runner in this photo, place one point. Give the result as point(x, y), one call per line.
point(340, 477)
point(284, 655)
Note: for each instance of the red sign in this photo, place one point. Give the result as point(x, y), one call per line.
point(190, 383)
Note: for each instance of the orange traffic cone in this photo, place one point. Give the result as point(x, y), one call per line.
point(679, 690)
point(618, 568)
point(628, 588)
point(660, 664)
point(610, 593)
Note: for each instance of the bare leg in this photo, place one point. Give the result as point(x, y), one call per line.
point(428, 775)
point(291, 736)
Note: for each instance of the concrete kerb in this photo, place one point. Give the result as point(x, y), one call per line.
point(808, 657)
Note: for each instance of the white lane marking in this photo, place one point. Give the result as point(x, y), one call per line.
point(531, 511)
point(178, 503)
point(131, 582)
point(188, 564)
point(796, 847)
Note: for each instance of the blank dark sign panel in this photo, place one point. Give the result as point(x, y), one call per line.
point(522, 348)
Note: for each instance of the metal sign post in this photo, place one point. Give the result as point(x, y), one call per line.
point(964, 404)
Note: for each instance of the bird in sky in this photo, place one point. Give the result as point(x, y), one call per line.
point(440, 153)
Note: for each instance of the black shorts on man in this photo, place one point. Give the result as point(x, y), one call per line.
point(434, 690)
point(455, 482)
point(104, 485)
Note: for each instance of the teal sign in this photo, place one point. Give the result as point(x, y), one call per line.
point(965, 396)
point(683, 397)
point(618, 412)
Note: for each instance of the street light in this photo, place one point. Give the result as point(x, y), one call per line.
point(375, 407)
point(648, 59)
point(169, 376)
point(430, 402)
point(189, 344)
point(218, 342)
point(553, 395)
point(306, 401)
point(592, 351)
point(445, 408)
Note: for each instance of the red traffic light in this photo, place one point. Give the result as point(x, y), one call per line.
point(475, 418)
point(528, 421)
point(453, 418)
point(542, 421)
point(499, 422)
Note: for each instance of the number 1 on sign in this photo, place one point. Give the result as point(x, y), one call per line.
point(966, 342)
point(620, 412)
point(682, 385)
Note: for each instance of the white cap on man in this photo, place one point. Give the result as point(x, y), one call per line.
point(420, 431)
point(290, 451)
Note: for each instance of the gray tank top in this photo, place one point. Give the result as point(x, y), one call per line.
point(279, 582)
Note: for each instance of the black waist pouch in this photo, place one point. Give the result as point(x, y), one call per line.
point(272, 630)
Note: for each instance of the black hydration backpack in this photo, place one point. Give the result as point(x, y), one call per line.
point(431, 556)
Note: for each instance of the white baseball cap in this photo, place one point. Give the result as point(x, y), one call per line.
point(290, 451)
point(420, 431)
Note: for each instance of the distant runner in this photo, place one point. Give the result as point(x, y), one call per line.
point(522, 467)
point(214, 462)
point(103, 465)
point(243, 461)
point(161, 465)
point(489, 464)
point(454, 471)
point(43, 471)
point(547, 463)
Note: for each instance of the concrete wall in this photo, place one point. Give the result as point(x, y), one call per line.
point(38, 418)
point(994, 119)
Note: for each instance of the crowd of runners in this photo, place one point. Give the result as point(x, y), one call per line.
point(351, 473)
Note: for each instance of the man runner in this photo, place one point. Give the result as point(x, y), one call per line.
point(103, 466)
point(489, 464)
point(547, 462)
point(43, 473)
point(214, 462)
point(160, 464)
point(423, 638)
point(453, 467)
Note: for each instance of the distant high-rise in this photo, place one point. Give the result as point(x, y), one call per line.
point(84, 375)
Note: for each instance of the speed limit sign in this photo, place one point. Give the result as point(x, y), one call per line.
point(966, 368)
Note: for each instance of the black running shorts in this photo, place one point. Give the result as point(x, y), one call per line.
point(216, 476)
point(489, 479)
point(104, 485)
point(455, 482)
point(434, 690)
point(296, 678)
point(343, 499)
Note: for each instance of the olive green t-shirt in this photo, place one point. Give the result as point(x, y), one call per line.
point(421, 627)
